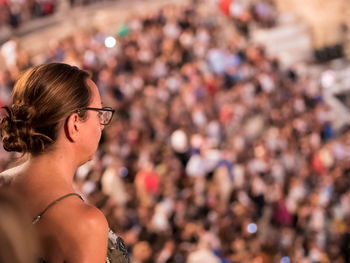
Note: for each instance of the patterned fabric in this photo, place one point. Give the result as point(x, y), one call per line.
point(117, 251)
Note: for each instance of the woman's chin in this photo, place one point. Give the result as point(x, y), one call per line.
point(86, 160)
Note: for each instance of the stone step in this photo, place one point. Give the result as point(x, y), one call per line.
point(290, 40)
point(299, 43)
point(287, 19)
point(280, 33)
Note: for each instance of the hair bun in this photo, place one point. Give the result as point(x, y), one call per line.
point(22, 113)
point(42, 98)
point(17, 131)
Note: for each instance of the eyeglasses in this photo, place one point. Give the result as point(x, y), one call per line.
point(105, 114)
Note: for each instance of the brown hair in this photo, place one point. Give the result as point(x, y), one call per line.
point(43, 97)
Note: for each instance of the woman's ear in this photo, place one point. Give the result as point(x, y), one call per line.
point(72, 127)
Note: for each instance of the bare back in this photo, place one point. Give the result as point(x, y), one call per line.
point(68, 228)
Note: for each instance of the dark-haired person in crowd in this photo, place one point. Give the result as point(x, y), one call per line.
point(55, 121)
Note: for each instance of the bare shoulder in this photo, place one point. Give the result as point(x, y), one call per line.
point(73, 231)
point(82, 219)
point(85, 234)
point(91, 218)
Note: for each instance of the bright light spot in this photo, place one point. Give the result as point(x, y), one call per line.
point(110, 42)
point(328, 79)
point(285, 260)
point(252, 228)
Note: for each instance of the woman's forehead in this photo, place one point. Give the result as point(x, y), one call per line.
point(96, 98)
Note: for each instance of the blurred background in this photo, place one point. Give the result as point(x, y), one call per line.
point(231, 139)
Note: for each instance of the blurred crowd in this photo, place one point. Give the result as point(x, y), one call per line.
point(217, 153)
point(250, 13)
point(13, 13)
point(16, 12)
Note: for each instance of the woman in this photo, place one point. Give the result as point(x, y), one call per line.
point(56, 119)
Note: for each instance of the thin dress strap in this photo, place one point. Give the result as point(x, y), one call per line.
point(36, 219)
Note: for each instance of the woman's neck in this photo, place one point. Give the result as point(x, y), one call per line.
point(53, 167)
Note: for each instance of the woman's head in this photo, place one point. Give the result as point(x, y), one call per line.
point(43, 98)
